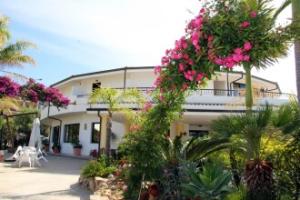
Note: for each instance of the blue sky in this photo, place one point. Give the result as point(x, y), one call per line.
point(74, 36)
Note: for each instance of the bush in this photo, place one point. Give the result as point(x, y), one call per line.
point(97, 168)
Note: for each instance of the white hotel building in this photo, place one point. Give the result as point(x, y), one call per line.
point(222, 95)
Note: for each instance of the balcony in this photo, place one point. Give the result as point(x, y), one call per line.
point(199, 100)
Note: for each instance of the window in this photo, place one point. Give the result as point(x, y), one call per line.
point(71, 133)
point(96, 85)
point(198, 133)
point(55, 135)
point(96, 128)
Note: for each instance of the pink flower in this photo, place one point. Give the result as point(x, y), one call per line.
point(245, 24)
point(181, 67)
point(199, 77)
point(157, 70)
point(219, 61)
point(210, 38)
point(198, 22)
point(165, 60)
point(253, 14)
point(195, 38)
point(238, 51)
point(247, 46)
point(157, 81)
point(246, 58)
point(237, 57)
point(147, 106)
point(202, 10)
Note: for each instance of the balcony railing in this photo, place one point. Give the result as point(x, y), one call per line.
point(205, 98)
point(257, 93)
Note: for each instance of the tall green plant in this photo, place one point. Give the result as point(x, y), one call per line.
point(115, 100)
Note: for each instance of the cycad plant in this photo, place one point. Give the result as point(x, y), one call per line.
point(212, 183)
point(258, 172)
point(178, 155)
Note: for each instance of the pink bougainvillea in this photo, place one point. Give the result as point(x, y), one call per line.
point(8, 87)
point(32, 91)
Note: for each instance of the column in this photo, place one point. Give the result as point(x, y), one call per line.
point(173, 130)
point(104, 118)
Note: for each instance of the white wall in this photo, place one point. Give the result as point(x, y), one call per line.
point(85, 133)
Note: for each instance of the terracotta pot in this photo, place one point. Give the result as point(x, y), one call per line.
point(1, 158)
point(56, 151)
point(77, 151)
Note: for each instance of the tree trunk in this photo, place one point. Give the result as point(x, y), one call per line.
point(234, 168)
point(296, 16)
point(99, 137)
point(108, 136)
point(11, 137)
point(249, 95)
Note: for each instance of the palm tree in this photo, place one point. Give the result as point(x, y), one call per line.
point(7, 106)
point(296, 18)
point(115, 98)
point(266, 53)
point(11, 54)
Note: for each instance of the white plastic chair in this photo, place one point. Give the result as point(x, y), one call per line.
point(30, 155)
point(40, 155)
point(17, 153)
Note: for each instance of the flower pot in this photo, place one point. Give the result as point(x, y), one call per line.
point(77, 151)
point(55, 150)
point(1, 156)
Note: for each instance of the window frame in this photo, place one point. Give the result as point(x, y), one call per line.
point(92, 132)
point(67, 138)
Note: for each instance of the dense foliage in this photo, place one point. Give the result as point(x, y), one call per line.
point(224, 34)
point(100, 167)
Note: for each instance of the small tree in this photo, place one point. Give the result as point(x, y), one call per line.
point(115, 100)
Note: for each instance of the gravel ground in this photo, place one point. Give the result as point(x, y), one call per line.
point(55, 180)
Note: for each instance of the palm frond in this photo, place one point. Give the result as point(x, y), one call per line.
point(283, 6)
point(200, 148)
point(9, 105)
point(12, 55)
point(4, 33)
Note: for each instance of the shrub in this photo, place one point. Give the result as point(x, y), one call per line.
point(97, 168)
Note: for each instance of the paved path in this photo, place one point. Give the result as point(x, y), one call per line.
point(55, 180)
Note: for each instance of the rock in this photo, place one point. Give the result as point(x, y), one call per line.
point(100, 179)
point(92, 185)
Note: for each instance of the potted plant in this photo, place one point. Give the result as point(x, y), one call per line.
point(56, 148)
point(76, 147)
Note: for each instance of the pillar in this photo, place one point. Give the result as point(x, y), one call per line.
point(104, 118)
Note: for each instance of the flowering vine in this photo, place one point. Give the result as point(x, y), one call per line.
point(32, 91)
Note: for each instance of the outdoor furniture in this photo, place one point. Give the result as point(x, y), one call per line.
point(31, 155)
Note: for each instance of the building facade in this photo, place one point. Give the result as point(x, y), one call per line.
point(224, 94)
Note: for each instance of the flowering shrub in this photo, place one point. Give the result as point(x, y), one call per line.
point(32, 91)
point(8, 87)
point(224, 34)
